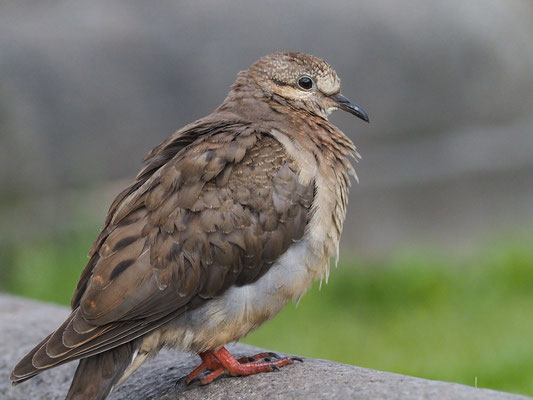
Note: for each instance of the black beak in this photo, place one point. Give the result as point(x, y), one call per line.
point(346, 105)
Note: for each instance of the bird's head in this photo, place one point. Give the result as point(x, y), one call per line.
point(304, 81)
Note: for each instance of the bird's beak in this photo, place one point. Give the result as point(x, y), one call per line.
point(346, 105)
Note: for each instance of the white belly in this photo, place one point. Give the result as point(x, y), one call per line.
point(240, 310)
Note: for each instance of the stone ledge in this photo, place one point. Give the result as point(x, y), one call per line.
point(25, 322)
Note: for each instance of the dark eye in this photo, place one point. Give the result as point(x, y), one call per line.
point(305, 82)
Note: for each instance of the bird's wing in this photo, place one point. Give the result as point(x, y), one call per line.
point(215, 212)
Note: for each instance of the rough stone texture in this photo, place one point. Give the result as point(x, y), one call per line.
point(25, 322)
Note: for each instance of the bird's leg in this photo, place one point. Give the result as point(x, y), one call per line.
point(244, 365)
point(209, 362)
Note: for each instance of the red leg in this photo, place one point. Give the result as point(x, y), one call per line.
point(210, 377)
point(209, 362)
point(221, 361)
point(236, 367)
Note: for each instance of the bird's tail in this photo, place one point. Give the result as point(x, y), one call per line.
point(97, 375)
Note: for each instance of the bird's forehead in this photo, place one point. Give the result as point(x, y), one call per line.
point(288, 67)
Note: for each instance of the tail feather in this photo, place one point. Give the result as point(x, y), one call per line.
point(52, 350)
point(96, 376)
point(25, 369)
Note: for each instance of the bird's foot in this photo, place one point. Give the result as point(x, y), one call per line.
point(209, 362)
point(221, 362)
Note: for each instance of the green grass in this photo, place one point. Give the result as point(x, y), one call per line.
point(45, 270)
point(422, 315)
point(437, 319)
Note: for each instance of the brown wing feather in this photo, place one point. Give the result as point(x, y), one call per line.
point(214, 207)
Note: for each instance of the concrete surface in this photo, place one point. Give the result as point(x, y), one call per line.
point(24, 322)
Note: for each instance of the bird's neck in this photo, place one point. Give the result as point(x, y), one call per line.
point(248, 101)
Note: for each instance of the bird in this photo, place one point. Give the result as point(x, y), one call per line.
point(231, 218)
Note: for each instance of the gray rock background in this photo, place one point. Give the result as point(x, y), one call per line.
point(87, 88)
point(24, 323)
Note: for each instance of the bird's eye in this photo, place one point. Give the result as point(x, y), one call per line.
point(305, 82)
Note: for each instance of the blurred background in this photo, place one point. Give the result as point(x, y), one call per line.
point(436, 272)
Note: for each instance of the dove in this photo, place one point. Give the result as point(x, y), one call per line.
point(231, 218)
